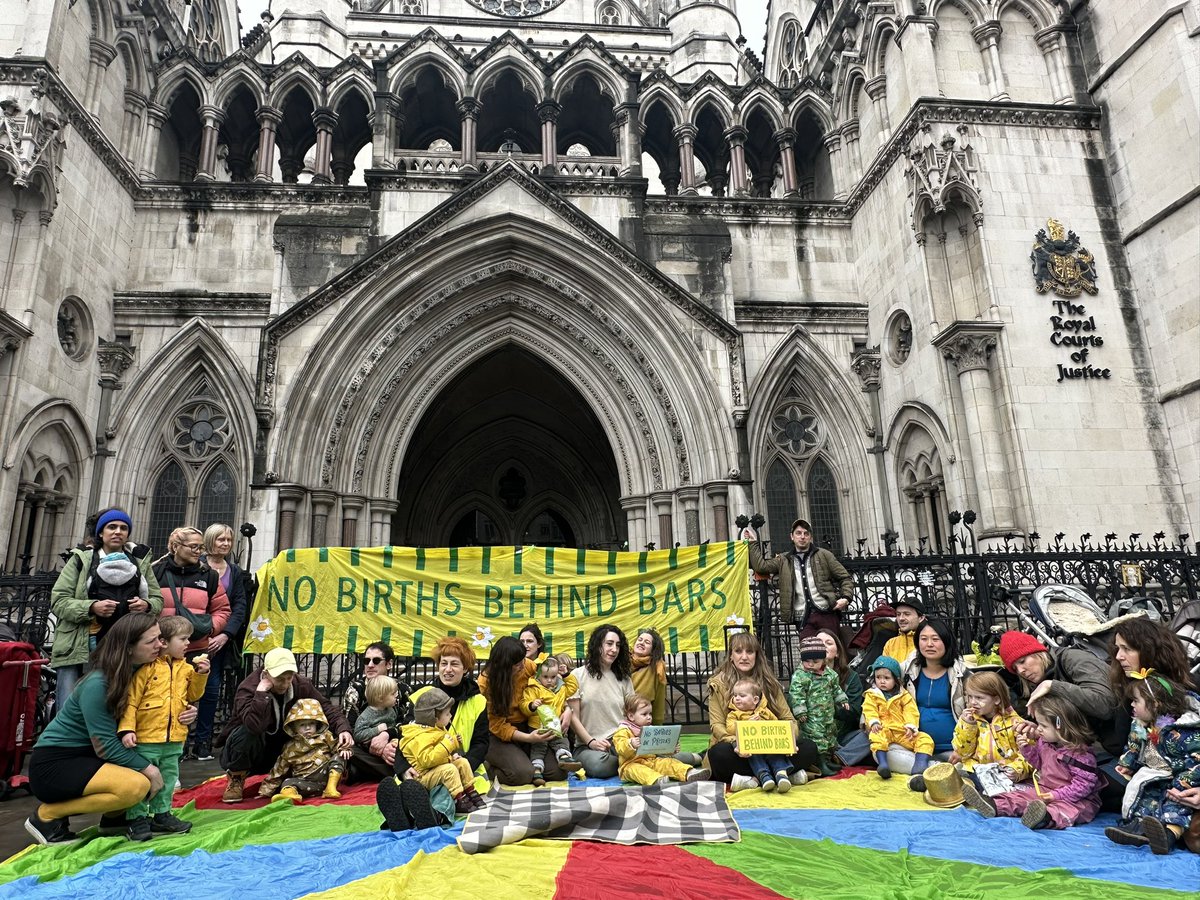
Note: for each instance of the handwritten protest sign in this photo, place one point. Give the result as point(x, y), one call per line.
point(659, 740)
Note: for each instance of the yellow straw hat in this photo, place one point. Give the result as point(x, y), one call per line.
point(943, 786)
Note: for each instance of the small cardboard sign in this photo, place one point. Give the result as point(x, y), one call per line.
point(772, 738)
point(659, 740)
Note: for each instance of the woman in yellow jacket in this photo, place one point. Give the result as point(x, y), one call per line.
point(159, 693)
point(649, 674)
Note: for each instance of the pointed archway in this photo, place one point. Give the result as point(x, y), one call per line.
point(509, 452)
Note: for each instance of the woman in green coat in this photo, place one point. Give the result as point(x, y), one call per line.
point(86, 599)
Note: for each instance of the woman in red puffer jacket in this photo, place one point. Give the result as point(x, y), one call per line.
point(191, 590)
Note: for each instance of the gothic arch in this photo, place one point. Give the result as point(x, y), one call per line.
point(1038, 14)
point(720, 103)
point(301, 78)
point(197, 349)
point(670, 101)
point(974, 11)
point(884, 31)
point(588, 62)
point(762, 99)
point(169, 83)
point(135, 63)
point(848, 101)
point(59, 416)
point(227, 84)
point(921, 454)
point(353, 81)
point(508, 59)
point(434, 56)
point(810, 103)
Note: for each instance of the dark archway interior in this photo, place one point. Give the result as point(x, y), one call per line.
point(509, 453)
point(508, 115)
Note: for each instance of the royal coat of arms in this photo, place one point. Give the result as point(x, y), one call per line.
point(1060, 264)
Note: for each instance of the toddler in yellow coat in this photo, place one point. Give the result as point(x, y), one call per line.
point(987, 730)
point(646, 770)
point(436, 753)
point(159, 693)
point(892, 717)
point(551, 691)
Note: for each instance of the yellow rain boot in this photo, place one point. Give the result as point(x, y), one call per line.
point(288, 793)
point(331, 792)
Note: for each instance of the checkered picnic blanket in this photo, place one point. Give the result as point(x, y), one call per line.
point(675, 814)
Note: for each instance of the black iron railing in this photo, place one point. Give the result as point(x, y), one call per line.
point(980, 593)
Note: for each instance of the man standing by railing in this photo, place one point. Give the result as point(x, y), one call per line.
point(814, 588)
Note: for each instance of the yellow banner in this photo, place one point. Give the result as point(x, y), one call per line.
point(340, 599)
point(772, 738)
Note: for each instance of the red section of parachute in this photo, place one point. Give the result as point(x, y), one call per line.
point(616, 872)
point(207, 795)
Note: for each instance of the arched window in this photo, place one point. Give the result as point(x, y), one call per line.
point(217, 497)
point(824, 509)
point(549, 529)
point(610, 15)
point(412, 8)
point(168, 507)
point(781, 503)
point(789, 55)
point(475, 529)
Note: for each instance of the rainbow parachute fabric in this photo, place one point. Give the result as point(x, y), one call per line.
point(852, 836)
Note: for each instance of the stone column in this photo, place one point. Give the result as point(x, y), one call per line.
point(38, 500)
point(876, 89)
point(290, 498)
point(352, 507)
point(685, 134)
point(548, 111)
point(25, 503)
point(915, 38)
point(987, 36)
point(325, 120)
point(736, 138)
point(853, 161)
point(635, 521)
point(114, 360)
point(718, 501)
point(865, 362)
point(385, 123)
point(969, 347)
point(662, 511)
point(631, 139)
point(18, 217)
point(786, 138)
point(206, 167)
point(689, 499)
point(156, 117)
point(1050, 42)
point(100, 57)
point(381, 520)
point(322, 507)
point(468, 108)
point(268, 123)
point(131, 127)
point(833, 143)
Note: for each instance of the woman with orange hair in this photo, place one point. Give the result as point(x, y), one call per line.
point(455, 663)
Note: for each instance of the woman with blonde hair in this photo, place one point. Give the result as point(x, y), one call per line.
point(746, 661)
point(190, 589)
point(223, 645)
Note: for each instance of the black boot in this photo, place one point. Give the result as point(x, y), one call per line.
point(883, 770)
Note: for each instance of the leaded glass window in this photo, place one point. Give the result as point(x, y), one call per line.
point(824, 507)
point(781, 503)
point(168, 508)
point(218, 497)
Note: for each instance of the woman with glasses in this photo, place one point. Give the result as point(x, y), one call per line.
point(374, 759)
point(192, 590)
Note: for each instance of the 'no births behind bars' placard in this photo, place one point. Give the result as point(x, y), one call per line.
point(773, 738)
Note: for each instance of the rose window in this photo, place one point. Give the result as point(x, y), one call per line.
point(796, 431)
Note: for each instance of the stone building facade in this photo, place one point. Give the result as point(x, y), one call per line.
point(590, 272)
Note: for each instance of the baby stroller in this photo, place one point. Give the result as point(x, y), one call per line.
point(1186, 626)
point(1061, 615)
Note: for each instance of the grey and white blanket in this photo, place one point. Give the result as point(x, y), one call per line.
point(675, 814)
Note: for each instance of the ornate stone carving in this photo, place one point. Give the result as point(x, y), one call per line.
point(968, 345)
point(32, 139)
point(114, 359)
point(865, 361)
point(936, 170)
point(12, 334)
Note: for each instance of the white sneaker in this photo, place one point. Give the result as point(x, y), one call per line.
point(178, 786)
point(799, 776)
point(743, 783)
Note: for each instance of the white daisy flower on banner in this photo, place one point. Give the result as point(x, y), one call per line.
point(483, 637)
point(735, 620)
point(260, 628)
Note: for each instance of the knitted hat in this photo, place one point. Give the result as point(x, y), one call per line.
point(813, 648)
point(1015, 645)
point(113, 515)
point(886, 662)
point(431, 702)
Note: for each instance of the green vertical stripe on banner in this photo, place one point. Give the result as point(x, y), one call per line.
point(673, 558)
point(290, 556)
point(549, 640)
point(289, 631)
point(730, 553)
point(420, 558)
point(453, 559)
point(387, 556)
point(355, 556)
point(385, 636)
point(318, 638)
point(642, 563)
point(580, 561)
point(517, 561)
point(702, 557)
point(579, 645)
point(704, 638)
point(612, 562)
point(549, 560)
point(352, 640)
point(418, 637)
point(673, 639)
point(323, 554)
point(485, 564)
point(451, 633)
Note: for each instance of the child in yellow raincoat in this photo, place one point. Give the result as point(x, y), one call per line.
point(436, 753)
point(892, 717)
point(646, 770)
point(310, 764)
point(987, 730)
point(748, 704)
point(159, 692)
point(552, 691)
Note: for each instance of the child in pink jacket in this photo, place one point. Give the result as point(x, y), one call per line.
point(1065, 789)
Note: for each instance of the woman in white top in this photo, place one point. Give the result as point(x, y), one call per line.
point(599, 705)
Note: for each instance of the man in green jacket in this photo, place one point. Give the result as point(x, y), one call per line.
point(81, 601)
point(814, 588)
